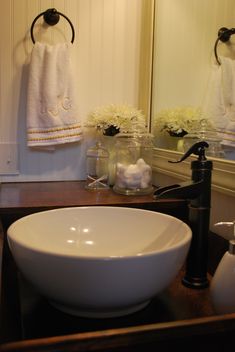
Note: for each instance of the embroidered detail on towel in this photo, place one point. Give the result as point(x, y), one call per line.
point(63, 103)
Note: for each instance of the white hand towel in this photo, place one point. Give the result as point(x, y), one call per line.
point(52, 116)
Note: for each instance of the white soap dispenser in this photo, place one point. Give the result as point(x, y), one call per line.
point(223, 282)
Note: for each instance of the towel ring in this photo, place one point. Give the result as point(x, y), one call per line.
point(224, 35)
point(51, 17)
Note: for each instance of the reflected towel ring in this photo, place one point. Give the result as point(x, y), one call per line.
point(51, 17)
point(224, 35)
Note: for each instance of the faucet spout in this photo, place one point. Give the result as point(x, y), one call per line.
point(183, 190)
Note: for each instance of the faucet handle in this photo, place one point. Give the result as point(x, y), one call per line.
point(197, 149)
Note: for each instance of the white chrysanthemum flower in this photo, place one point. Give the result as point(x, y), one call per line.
point(119, 118)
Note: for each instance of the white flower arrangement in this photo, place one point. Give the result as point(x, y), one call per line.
point(180, 121)
point(112, 119)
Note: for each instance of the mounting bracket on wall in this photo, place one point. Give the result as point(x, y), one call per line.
point(51, 17)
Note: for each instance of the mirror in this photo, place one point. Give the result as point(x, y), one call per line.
point(184, 37)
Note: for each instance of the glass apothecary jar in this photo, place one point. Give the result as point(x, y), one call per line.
point(210, 136)
point(133, 174)
point(97, 163)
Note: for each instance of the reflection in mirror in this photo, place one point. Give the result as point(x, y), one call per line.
point(193, 97)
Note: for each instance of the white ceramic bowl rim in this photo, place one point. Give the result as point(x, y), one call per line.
point(185, 238)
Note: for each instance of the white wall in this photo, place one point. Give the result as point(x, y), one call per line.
point(106, 55)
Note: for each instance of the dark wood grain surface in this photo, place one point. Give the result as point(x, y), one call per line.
point(68, 193)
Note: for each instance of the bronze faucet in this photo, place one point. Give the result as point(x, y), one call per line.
point(198, 193)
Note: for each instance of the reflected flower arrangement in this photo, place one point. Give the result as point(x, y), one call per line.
point(181, 121)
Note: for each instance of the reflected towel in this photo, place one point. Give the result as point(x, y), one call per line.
point(219, 103)
point(52, 116)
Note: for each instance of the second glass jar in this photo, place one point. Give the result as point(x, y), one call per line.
point(133, 173)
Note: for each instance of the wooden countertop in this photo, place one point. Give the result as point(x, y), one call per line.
point(64, 193)
point(24, 198)
point(179, 318)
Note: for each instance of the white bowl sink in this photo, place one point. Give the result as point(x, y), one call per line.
point(99, 261)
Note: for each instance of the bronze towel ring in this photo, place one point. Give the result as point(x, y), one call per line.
point(51, 17)
point(224, 35)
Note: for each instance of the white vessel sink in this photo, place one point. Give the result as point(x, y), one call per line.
point(99, 261)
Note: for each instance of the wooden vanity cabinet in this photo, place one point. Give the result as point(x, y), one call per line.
point(177, 318)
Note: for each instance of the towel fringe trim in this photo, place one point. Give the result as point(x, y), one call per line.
point(54, 136)
point(51, 130)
